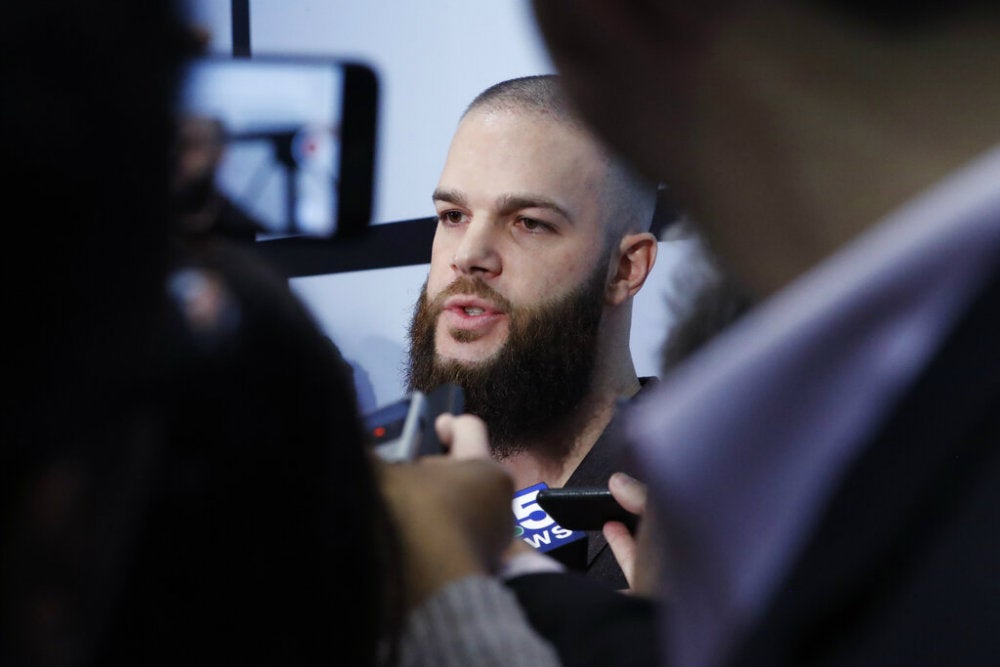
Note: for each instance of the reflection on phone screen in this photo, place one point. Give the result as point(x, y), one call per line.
point(280, 121)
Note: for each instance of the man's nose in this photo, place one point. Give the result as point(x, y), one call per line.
point(477, 253)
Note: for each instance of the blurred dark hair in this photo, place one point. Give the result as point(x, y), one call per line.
point(88, 89)
point(86, 129)
point(265, 539)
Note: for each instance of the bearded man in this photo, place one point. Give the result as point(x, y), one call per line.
point(542, 242)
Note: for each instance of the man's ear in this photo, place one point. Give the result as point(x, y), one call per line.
point(636, 256)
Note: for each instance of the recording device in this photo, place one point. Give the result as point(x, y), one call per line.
point(404, 430)
point(299, 138)
point(584, 508)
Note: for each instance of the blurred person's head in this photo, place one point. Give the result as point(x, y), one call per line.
point(88, 92)
point(167, 496)
point(542, 242)
point(87, 132)
point(786, 127)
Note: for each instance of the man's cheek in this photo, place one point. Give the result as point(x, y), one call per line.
point(434, 289)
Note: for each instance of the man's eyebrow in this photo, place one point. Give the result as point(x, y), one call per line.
point(450, 197)
point(514, 202)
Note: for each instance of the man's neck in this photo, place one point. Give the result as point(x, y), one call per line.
point(533, 465)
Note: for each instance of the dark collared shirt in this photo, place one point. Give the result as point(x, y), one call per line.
point(592, 555)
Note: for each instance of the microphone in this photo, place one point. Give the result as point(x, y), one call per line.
point(535, 527)
point(404, 429)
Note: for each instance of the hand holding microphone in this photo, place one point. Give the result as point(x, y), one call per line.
point(452, 510)
point(636, 552)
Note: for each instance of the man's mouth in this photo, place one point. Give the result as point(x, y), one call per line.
point(470, 306)
point(469, 318)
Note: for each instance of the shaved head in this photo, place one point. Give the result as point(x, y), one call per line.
point(628, 200)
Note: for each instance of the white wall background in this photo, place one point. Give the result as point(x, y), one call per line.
point(432, 58)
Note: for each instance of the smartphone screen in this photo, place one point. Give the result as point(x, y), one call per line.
point(297, 139)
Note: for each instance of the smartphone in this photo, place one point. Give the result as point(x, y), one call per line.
point(404, 429)
point(584, 508)
point(299, 138)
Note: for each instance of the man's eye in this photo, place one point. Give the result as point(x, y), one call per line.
point(532, 225)
point(451, 217)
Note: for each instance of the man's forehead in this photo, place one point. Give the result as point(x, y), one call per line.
point(511, 124)
point(507, 158)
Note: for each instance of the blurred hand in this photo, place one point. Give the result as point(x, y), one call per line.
point(453, 511)
point(465, 436)
point(639, 556)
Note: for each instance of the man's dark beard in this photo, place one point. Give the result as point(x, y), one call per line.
point(534, 385)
